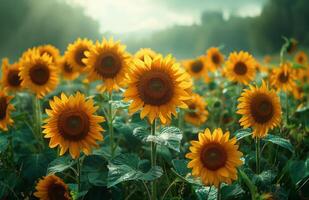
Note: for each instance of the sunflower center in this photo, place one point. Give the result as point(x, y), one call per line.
point(240, 68)
point(79, 56)
point(13, 78)
point(197, 66)
point(300, 59)
point(283, 77)
point(3, 107)
point(39, 74)
point(57, 192)
point(155, 88)
point(73, 125)
point(261, 108)
point(215, 58)
point(213, 156)
point(108, 66)
point(67, 68)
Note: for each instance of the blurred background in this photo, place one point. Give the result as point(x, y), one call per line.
point(181, 27)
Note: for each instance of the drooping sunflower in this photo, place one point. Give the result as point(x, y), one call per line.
point(72, 124)
point(10, 76)
point(292, 46)
point(52, 187)
point(197, 68)
point(157, 87)
point(260, 109)
point(197, 113)
point(140, 54)
point(67, 71)
point(50, 50)
point(240, 67)
point(283, 78)
point(76, 53)
point(5, 110)
point(214, 157)
point(38, 73)
point(301, 58)
point(214, 58)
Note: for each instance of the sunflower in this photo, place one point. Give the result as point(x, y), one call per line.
point(52, 187)
point(76, 53)
point(140, 54)
point(240, 67)
point(197, 114)
point(10, 76)
point(214, 58)
point(267, 59)
point(50, 50)
point(5, 110)
point(197, 68)
point(72, 124)
point(298, 92)
point(301, 58)
point(260, 109)
point(283, 78)
point(292, 46)
point(157, 87)
point(38, 73)
point(214, 157)
point(68, 72)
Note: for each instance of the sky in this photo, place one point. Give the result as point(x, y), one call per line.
point(127, 16)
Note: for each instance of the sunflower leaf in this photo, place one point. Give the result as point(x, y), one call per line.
point(279, 141)
point(242, 133)
point(60, 164)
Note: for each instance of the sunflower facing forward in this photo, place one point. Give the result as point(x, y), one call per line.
point(140, 54)
point(260, 109)
point(157, 87)
point(283, 78)
point(68, 72)
point(214, 58)
point(10, 76)
point(50, 50)
point(38, 73)
point(240, 67)
point(52, 187)
point(214, 157)
point(73, 125)
point(197, 68)
point(76, 53)
point(108, 61)
point(301, 58)
point(197, 113)
point(5, 110)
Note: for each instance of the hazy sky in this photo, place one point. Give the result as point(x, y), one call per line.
point(123, 16)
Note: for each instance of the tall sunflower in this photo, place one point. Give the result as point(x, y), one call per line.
point(67, 71)
point(76, 53)
point(140, 54)
point(214, 157)
point(5, 110)
point(72, 124)
point(197, 68)
point(52, 187)
point(197, 113)
point(214, 58)
point(108, 61)
point(157, 87)
point(38, 73)
point(10, 76)
point(283, 78)
point(260, 109)
point(240, 67)
point(301, 58)
point(50, 50)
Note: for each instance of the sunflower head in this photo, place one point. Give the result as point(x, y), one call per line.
point(283, 78)
point(197, 113)
point(214, 157)
point(5, 110)
point(301, 58)
point(38, 73)
point(240, 67)
point(10, 76)
point(108, 61)
point(140, 54)
point(260, 109)
point(76, 53)
point(73, 125)
point(214, 58)
point(197, 68)
point(68, 72)
point(157, 86)
point(50, 50)
point(52, 187)
point(292, 46)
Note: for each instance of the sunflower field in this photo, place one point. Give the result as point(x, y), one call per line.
point(98, 122)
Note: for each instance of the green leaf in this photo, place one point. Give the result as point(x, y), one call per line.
point(60, 164)
point(119, 105)
point(231, 191)
point(95, 168)
point(183, 172)
point(279, 141)
point(3, 143)
point(209, 193)
point(298, 171)
point(242, 133)
point(125, 167)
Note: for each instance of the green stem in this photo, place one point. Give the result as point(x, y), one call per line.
point(147, 190)
point(38, 121)
point(110, 124)
point(219, 192)
point(257, 154)
point(78, 174)
point(287, 107)
point(153, 150)
point(169, 187)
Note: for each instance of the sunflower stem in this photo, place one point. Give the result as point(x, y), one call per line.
point(78, 174)
point(287, 107)
point(153, 150)
point(110, 123)
point(219, 192)
point(38, 121)
point(257, 154)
